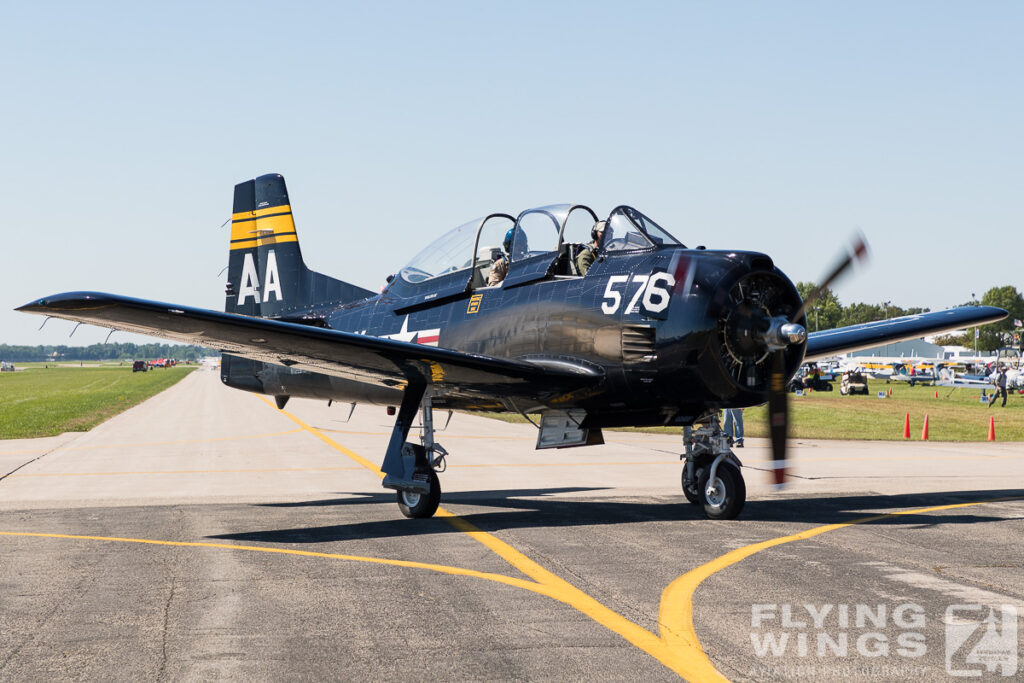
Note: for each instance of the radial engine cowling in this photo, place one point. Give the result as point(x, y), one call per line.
point(754, 320)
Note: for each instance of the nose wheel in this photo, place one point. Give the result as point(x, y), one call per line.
point(711, 475)
point(723, 496)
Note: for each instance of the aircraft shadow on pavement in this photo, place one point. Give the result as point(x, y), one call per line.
point(521, 509)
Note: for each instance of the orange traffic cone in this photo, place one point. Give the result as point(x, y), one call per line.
point(906, 427)
point(924, 430)
point(890, 391)
point(992, 429)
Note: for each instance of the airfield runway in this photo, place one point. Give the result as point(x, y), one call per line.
point(205, 535)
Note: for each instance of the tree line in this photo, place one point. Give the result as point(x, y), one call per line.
point(113, 351)
point(828, 313)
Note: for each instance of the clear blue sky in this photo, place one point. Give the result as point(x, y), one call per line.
point(778, 127)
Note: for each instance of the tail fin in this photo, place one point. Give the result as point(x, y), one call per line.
point(266, 274)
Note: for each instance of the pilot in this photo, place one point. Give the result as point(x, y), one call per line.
point(588, 253)
point(499, 269)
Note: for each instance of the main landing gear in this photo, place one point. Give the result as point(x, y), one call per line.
point(711, 473)
point(411, 469)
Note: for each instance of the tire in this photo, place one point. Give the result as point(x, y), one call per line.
point(692, 492)
point(421, 505)
point(731, 489)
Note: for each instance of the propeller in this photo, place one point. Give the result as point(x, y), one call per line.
point(780, 334)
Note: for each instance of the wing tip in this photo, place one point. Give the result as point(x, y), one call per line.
point(61, 302)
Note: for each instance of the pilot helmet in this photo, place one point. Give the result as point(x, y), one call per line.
point(522, 245)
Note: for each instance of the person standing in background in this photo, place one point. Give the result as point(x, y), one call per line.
point(734, 425)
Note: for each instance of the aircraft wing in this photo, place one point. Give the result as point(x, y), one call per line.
point(855, 337)
point(362, 358)
point(960, 382)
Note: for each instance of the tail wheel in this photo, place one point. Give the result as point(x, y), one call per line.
point(421, 505)
point(725, 496)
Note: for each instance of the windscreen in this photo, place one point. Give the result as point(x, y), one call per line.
point(449, 253)
point(631, 230)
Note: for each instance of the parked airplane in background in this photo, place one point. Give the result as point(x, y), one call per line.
point(654, 333)
point(910, 373)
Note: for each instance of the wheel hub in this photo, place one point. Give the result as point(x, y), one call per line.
point(714, 494)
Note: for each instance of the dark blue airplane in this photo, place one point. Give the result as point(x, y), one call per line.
point(652, 333)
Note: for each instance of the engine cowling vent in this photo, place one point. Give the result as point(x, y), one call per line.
point(637, 343)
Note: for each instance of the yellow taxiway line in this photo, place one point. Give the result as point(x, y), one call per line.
point(675, 614)
point(443, 569)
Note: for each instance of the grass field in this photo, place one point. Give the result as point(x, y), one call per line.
point(956, 415)
point(44, 402)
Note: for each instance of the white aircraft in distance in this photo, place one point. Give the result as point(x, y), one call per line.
point(909, 373)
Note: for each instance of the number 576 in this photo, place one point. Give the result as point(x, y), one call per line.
point(653, 290)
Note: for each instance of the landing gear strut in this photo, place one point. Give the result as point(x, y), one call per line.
point(410, 468)
point(711, 473)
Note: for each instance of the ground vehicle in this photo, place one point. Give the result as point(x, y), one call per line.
point(854, 382)
point(810, 377)
point(139, 366)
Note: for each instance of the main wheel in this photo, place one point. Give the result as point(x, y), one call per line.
point(420, 505)
point(692, 492)
point(728, 492)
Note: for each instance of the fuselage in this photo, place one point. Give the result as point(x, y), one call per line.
point(671, 331)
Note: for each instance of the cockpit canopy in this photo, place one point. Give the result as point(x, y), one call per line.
point(534, 233)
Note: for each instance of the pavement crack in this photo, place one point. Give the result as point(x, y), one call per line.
point(38, 457)
point(163, 636)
